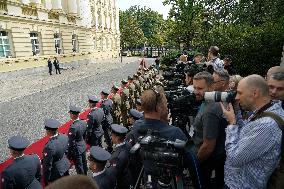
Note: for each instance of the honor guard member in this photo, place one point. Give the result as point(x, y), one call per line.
point(116, 99)
point(137, 87)
point(138, 105)
point(119, 160)
point(54, 162)
point(98, 160)
point(107, 120)
point(134, 115)
point(77, 145)
point(132, 90)
point(141, 80)
point(94, 123)
point(125, 106)
point(25, 170)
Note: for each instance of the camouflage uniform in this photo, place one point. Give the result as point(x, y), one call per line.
point(132, 90)
point(116, 112)
point(137, 92)
point(125, 105)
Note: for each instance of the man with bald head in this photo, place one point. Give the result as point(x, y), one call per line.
point(253, 149)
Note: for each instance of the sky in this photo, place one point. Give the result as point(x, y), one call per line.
point(155, 5)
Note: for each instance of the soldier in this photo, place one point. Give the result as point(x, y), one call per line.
point(125, 106)
point(77, 144)
point(134, 115)
point(119, 160)
point(55, 163)
point(107, 120)
point(24, 172)
point(138, 105)
point(103, 176)
point(94, 123)
point(141, 80)
point(116, 99)
point(132, 90)
point(137, 87)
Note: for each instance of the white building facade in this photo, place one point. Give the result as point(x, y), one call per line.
point(35, 30)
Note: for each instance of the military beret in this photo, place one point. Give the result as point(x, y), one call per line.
point(51, 124)
point(124, 81)
point(74, 109)
point(135, 114)
point(115, 87)
point(138, 102)
point(135, 75)
point(130, 78)
point(93, 99)
point(18, 143)
point(119, 129)
point(99, 154)
point(105, 92)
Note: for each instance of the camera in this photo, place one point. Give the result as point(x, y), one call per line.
point(217, 96)
point(162, 156)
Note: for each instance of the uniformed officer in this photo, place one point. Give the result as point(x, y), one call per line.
point(94, 123)
point(138, 105)
point(132, 90)
point(116, 99)
point(134, 115)
point(77, 144)
point(141, 80)
point(107, 120)
point(55, 163)
point(125, 106)
point(104, 177)
point(49, 64)
point(137, 87)
point(119, 160)
point(25, 170)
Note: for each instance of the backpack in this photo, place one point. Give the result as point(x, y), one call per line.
point(276, 180)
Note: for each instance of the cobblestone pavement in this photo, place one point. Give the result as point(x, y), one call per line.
point(26, 101)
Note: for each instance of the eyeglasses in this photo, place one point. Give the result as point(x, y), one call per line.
point(157, 96)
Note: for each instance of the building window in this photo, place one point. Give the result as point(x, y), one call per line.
point(35, 43)
point(74, 43)
point(57, 42)
point(5, 49)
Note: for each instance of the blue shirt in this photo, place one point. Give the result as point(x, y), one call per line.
point(253, 151)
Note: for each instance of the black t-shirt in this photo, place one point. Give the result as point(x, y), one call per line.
point(210, 123)
point(231, 69)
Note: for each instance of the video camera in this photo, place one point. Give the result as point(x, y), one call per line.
point(166, 157)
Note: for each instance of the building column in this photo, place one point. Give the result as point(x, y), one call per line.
point(56, 4)
point(72, 7)
point(116, 16)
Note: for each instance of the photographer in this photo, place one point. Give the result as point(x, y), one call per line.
point(253, 149)
point(209, 132)
point(221, 79)
point(154, 105)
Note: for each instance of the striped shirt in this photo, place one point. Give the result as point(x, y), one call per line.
point(253, 151)
point(217, 63)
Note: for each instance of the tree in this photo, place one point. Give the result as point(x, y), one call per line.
point(131, 33)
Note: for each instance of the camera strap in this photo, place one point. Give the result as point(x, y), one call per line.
point(258, 113)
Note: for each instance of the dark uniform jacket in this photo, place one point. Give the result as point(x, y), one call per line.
point(24, 172)
point(119, 161)
point(94, 122)
point(55, 163)
point(105, 180)
point(76, 135)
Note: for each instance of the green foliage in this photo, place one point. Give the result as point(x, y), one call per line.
point(252, 31)
point(142, 20)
